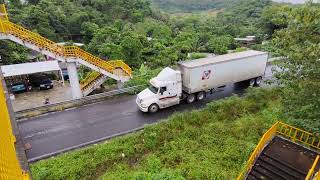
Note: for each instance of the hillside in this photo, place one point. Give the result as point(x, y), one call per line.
point(190, 5)
point(202, 5)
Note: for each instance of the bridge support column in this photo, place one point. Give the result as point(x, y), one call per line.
point(120, 84)
point(74, 80)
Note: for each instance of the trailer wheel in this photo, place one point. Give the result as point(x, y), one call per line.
point(153, 108)
point(252, 82)
point(201, 95)
point(191, 98)
point(258, 80)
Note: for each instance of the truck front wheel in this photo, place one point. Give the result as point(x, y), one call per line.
point(191, 98)
point(200, 96)
point(153, 108)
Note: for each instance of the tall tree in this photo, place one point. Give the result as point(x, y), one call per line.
point(299, 43)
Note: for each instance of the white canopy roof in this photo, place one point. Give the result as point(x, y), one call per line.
point(29, 68)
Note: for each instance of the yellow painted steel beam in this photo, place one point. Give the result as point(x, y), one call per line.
point(9, 164)
point(22, 33)
point(287, 131)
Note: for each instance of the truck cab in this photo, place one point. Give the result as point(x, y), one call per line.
point(165, 90)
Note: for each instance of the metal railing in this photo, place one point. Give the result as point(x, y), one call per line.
point(9, 164)
point(91, 78)
point(289, 132)
point(42, 43)
point(317, 176)
point(312, 170)
point(121, 64)
point(266, 138)
point(298, 135)
point(73, 51)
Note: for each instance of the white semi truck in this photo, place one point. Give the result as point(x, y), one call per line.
point(193, 79)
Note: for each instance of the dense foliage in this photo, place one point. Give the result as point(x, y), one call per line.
point(191, 5)
point(212, 143)
point(192, 145)
point(131, 30)
point(299, 43)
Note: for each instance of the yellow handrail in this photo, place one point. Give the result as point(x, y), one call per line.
point(299, 135)
point(292, 133)
point(9, 163)
point(91, 77)
point(262, 143)
point(25, 35)
point(317, 176)
point(3, 13)
point(311, 171)
point(121, 64)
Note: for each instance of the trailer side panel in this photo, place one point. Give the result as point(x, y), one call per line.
point(209, 76)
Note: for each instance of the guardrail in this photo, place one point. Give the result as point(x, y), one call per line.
point(266, 138)
point(32, 112)
point(41, 42)
point(312, 170)
point(299, 135)
point(289, 132)
point(91, 77)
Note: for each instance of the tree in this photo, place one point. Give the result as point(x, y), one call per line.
point(299, 44)
point(275, 18)
point(111, 51)
point(132, 48)
point(186, 41)
point(88, 29)
point(12, 53)
point(220, 44)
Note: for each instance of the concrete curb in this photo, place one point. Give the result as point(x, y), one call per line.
point(41, 110)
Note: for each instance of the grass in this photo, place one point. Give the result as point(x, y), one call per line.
point(212, 143)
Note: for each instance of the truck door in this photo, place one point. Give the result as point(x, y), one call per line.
point(168, 97)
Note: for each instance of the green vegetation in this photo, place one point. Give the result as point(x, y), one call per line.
point(131, 30)
point(212, 143)
point(197, 55)
point(142, 77)
point(299, 42)
point(191, 5)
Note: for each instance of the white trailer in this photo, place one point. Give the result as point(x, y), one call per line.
point(193, 79)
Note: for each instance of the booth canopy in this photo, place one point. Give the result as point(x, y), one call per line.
point(29, 68)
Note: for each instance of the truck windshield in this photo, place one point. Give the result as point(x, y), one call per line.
point(154, 89)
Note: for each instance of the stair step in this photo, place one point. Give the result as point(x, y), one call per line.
point(283, 165)
point(266, 173)
point(254, 175)
point(276, 170)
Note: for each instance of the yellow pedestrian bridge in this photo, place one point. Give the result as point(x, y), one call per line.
point(115, 69)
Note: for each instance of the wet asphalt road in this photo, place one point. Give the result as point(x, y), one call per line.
point(66, 130)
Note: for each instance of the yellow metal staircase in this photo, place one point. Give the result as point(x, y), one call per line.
point(284, 152)
point(92, 81)
point(115, 69)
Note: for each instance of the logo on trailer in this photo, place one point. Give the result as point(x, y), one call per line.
point(206, 75)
